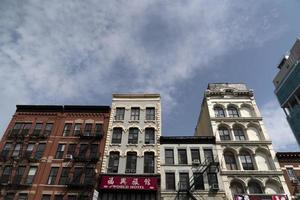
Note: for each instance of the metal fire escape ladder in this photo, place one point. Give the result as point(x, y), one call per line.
point(186, 191)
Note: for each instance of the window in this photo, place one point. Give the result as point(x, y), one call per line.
point(208, 155)
point(113, 163)
point(46, 197)
point(232, 112)
point(117, 136)
point(67, 129)
point(60, 151)
point(77, 129)
point(58, 197)
point(184, 181)
point(23, 196)
point(149, 162)
point(77, 175)
point(170, 181)
point(64, 176)
point(89, 176)
point(219, 112)
point(150, 113)
point(246, 161)
point(224, 133)
point(94, 151)
point(238, 133)
point(6, 149)
point(37, 129)
point(72, 197)
point(88, 129)
point(48, 129)
point(16, 129)
point(26, 129)
point(82, 150)
point(182, 157)
point(236, 188)
point(195, 155)
point(133, 135)
point(6, 174)
point(230, 161)
point(149, 136)
point(31, 175)
point(212, 179)
point(52, 176)
point(169, 156)
point(17, 150)
point(131, 162)
point(71, 149)
point(120, 112)
point(98, 129)
point(198, 181)
point(40, 151)
point(19, 174)
point(10, 196)
point(291, 173)
point(135, 114)
point(254, 188)
point(29, 150)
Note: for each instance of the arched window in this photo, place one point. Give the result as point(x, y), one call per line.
point(246, 160)
point(232, 112)
point(149, 136)
point(113, 163)
point(219, 112)
point(254, 188)
point(230, 161)
point(149, 162)
point(131, 162)
point(224, 133)
point(237, 188)
point(133, 135)
point(116, 136)
point(238, 133)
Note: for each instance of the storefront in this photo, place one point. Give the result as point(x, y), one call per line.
point(113, 187)
point(260, 197)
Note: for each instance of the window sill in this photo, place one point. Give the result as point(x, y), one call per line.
point(118, 121)
point(149, 121)
point(115, 145)
point(135, 145)
point(147, 145)
point(133, 121)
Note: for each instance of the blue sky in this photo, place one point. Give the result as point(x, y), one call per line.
point(80, 52)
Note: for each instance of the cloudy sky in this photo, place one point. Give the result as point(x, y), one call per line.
point(80, 52)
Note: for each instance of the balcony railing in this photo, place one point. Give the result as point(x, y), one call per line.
point(77, 183)
point(82, 157)
point(91, 135)
point(39, 134)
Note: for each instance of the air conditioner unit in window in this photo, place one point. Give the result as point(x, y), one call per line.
point(127, 170)
point(214, 187)
point(196, 162)
point(132, 171)
point(68, 157)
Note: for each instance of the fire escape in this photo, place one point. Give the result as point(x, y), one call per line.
point(18, 157)
point(82, 164)
point(186, 190)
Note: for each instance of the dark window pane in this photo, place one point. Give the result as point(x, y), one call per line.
point(23, 196)
point(120, 112)
point(170, 183)
point(230, 161)
point(219, 112)
point(31, 175)
point(19, 174)
point(212, 179)
point(131, 162)
point(184, 181)
point(232, 112)
point(67, 129)
point(169, 156)
point(77, 129)
point(149, 136)
point(64, 176)
point(6, 174)
point(48, 129)
point(94, 151)
point(58, 197)
point(113, 163)
point(71, 149)
point(208, 155)
point(40, 151)
point(198, 181)
point(195, 155)
point(239, 133)
point(26, 128)
point(60, 151)
point(37, 129)
point(17, 150)
point(46, 197)
point(88, 129)
point(149, 162)
point(246, 161)
point(98, 129)
point(133, 135)
point(117, 136)
point(182, 157)
point(52, 176)
point(135, 114)
point(224, 133)
point(150, 113)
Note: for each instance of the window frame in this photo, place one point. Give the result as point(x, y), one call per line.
point(120, 113)
point(170, 184)
point(133, 135)
point(135, 113)
point(182, 156)
point(52, 176)
point(150, 113)
point(131, 162)
point(169, 158)
point(116, 135)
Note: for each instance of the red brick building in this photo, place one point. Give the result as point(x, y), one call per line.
point(52, 152)
point(290, 165)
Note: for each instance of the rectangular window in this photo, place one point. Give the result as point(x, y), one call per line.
point(29, 150)
point(60, 151)
point(170, 181)
point(208, 155)
point(19, 174)
point(88, 129)
point(133, 136)
point(182, 157)
point(113, 163)
point(23, 196)
point(169, 156)
point(120, 112)
point(150, 113)
point(67, 129)
point(6, 174)
point(52, 175)
point(40, 151)
point(71, 149)
point(37, 129)
point(6, 149)
point(184, 181)
point(89, 176)
point(31, 175)
point(77, 175)
point(98, 129)
point(149, 136)
point(77, 129)
point(198, 181)
point(64, 176)
point(195, 155)
point(58, 197)
point(10, 196)
point(17, 150)
point(149, 162)
point(117, 136)
point(212, 179)
point(48, 129)
point(94, 151)
point(131, 162)
point(135, 113)
point(26, 129)
point(82, 151)
point(16, 129)
point(291, 173)
point(46, 197)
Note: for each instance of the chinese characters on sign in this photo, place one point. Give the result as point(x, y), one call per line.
point(126, 182)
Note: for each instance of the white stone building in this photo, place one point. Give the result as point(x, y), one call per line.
point(131, 165)
point(247, 160)
point(189, 168)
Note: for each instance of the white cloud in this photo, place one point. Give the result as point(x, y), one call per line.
point(278, 128)
point(58, 51)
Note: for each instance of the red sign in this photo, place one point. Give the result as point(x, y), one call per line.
point(260, 197)
point(128, 182)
